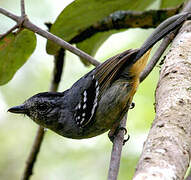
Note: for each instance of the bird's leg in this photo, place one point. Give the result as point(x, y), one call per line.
point(115, 130)
point(112, 133)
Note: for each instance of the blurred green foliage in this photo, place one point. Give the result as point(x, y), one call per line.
point(62, 158)
point(170, 4)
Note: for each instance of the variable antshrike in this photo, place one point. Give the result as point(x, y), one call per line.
point(96, 102)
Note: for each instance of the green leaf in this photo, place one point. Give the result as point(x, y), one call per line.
point(170, 3)
point(81, 14)
point(15, 49)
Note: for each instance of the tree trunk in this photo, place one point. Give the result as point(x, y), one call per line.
point(166, 152)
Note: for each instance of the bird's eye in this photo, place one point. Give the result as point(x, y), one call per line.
point(42, 107)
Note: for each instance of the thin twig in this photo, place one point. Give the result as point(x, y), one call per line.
point(61, 42)
point(116, 152)
point(33, 154)
point(9, 31)
point(59, 63)
point(127, 19)
point(9, 14)
point(23, 8)
point(29, 25)
point(166, 41)
point(57, 72)
point(19, 23)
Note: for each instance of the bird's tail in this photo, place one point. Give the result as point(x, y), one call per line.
point(162, 30)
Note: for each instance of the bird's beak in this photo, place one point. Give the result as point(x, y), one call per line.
point(18, 109)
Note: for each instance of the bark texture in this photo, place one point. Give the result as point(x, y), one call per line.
point(166, 152)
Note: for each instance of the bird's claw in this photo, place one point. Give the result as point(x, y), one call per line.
point(113, 135)
point(132, 105)
point(125, 140)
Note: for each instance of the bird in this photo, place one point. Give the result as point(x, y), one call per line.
point(98, 101)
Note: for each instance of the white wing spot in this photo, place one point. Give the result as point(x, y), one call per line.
point(97, 92)
point(96, 83)
point(84, 106)
point(83, 119)
point(93, 109)
point(85, 98)
point(85, 93)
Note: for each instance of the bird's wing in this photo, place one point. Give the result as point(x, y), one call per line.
point(95, 82)
point(108, 71)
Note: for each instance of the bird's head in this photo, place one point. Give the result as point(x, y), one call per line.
point(43, 108)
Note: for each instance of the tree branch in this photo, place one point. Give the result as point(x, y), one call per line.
point(29, 25)
point(116, 152)
point(9, 14)
point(117, 20)
point(167, 149)
point(127, 19)
point(28, 171)
point(155, 58)
point(19, 23)
point(57, 72)
point(9, 31)
point(23, 14)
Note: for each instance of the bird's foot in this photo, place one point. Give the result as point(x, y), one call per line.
point(113, 134)
point(132, 105)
